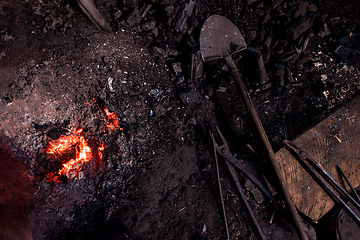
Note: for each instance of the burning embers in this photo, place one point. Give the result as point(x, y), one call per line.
point(78, 148)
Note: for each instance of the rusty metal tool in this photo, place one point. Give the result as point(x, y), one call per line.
point(220, 189)
point(322, 177)
point(220, 38)
point(231, 162)
point(224, 151)
point(349, 183)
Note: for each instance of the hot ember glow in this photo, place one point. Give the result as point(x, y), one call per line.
point(76, 143)
point(74, 151)
point(112, 118)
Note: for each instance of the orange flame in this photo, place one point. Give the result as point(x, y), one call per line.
point(77, 142)
point(112, 118)
point(83, 152)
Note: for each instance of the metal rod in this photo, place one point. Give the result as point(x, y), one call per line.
point(333, 183)
point(336, 198)
point(220, 190)
point(348, 182)
point(243, 197)
point(299, 226)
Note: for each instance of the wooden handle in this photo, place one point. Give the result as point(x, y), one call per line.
point(265, 141)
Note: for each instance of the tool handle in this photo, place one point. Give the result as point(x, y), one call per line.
point(336, 198)
point(242, 168)
point(221, 195)
point(332, 182)
point(264, 139)
point(349, 183)
point(243, 197)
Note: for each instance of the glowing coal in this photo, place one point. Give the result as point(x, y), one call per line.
point(73, 150)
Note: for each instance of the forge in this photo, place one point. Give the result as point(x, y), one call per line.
point(106, 133)
point(80, 144)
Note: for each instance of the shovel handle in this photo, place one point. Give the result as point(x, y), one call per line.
point(265, 141)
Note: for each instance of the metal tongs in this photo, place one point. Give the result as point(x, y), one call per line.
point(233, 163)
point(323, 178)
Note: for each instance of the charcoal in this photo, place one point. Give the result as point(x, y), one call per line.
point(289, 75)
point(312, 8)
point(145, 12)
point(267, 41)
point(261, 35)
point(261, 66)
point(131, 3)
point(182, 17)
point(159, 52)
point(251, 35)
point(2, 55)
point(304, 44)
point(280, 73)
point(301, 10)
point(155, 31)
point(348, 55)
point(254, 52)
point(266, 18)
point(345, 41)
point(351, 42)
point(166, 2)
point(190, 97)
point(259, 12)
point(173, 52)
point(300, 65)
point(196, 65)
point(326, 29)
point(176, 66)
point(169, 9)
point(148, 25)
point(300, 26)
point(249, 2)
point(279, 49)
point(134, 17)
point(262, 71)
point(190, 41)
point(290, 57)
point(118, 14)
point(276, 3)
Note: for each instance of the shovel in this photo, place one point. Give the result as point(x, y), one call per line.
point(220, 38)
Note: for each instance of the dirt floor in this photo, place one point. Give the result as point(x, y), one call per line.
point(158, 178)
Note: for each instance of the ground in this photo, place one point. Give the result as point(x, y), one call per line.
point(158, 177)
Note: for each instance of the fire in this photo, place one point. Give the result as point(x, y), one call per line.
point(83, 152)
point(75, 148)
point(112, 118)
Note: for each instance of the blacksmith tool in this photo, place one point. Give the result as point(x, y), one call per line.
point(220, 38)
point(89, 8)
point(349, 183)
point(232, 162)
point(220, 191)
point(323, 178)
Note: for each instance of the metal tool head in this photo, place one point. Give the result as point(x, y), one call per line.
point(223, 140)
point(295, 149)
point(219, 37)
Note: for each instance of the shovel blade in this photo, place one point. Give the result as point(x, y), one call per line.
point(219, 37)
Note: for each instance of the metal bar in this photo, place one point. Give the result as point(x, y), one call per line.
point(234, 161)
point(220, 190)
point(243, 197)
point(336, 198)
point(332, 182)
point(348, 182)
point(299, 226)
